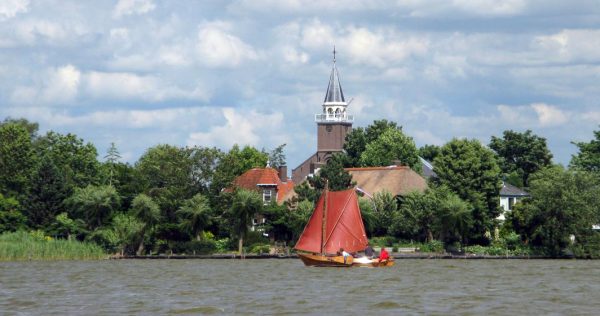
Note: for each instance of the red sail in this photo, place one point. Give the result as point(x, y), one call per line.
point(344, 223)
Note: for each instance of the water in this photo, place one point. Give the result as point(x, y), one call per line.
point(180, 287)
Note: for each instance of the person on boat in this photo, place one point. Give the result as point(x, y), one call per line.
point(369, 252)
point(384, 255)
point(345, 254)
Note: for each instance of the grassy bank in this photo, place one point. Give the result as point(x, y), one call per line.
point(22, 245)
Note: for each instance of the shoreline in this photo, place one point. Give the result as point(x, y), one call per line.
point(396, 256)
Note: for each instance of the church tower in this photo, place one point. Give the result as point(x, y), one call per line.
point(333, 123)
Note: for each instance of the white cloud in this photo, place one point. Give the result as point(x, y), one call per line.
point(129, 7)
point(121, 85)
point(58, 86)
point(549, 115)
point(10, 8)
point(216, 47)
point(239, 128)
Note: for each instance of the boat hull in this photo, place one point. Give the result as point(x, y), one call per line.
point(372, 263)
point(312, 260)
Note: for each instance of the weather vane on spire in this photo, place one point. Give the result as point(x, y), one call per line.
point(334, 53)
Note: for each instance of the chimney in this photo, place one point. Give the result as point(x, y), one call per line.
point(282, 170)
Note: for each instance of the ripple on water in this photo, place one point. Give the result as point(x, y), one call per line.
point(209, 310)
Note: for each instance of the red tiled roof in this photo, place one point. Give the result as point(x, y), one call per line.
point(254, 178)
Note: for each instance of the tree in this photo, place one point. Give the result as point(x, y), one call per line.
point(17, 160)
point(148, 213)
point(357, 140)
point(169, 176)
point(385, 207)
point(94, 204)
point(391, 145)
point(47, 193)
point(333, 171)
point(112, 157)
point(65, 226)
point(417, 215)
point(429, 152)
point(588, 157)
point(521, 154)
point(75, 160)
point(234, 163)
point(454, 219)
point(245, 205)
point(470, 170)
point(194, 215)
point(126, 230)
point(562, 203)
point(11, 218)
point(277, 157)
point(31, 127)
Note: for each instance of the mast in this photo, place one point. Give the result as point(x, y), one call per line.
point(324, 221)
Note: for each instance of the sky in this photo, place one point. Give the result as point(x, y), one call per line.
point(254, 72)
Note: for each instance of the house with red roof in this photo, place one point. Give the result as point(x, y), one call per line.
point(273, 185)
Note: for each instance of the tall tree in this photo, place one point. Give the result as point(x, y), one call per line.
point(470, 170)
point(588, 157)
point(358, 139)
point(17, 159)
point(391, 145)
point(245, 205)
point(47, 193)
point(74, 158)
point(112, 158)
point(168, 176)
point(194, 215)
point(277, 157)
point(148, 213)
point(521, 154)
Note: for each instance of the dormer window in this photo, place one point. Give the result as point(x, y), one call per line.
point(267, 196)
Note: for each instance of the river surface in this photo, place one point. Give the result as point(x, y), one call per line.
point(285, 286)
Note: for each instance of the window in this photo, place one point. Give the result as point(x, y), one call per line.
point(267, 194)
point(511, 202)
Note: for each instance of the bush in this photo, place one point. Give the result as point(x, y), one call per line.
point(432, 246)
point(385, 241)
point(224, 245)
point(195, 247)
point(260, 248)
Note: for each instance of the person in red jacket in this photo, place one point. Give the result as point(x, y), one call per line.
point(383, 255)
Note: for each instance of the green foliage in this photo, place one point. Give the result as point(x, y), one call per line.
point(429, 152)
point(75, 160)
point(333, 172)
point(20, 246)
point(588, 157)
point(196, 247)
point(245, 205)
point(194, 215)
point(224, 245)
point(65, 227)
point(17, 159)
point(521, 154)
point(234, 163)
point(112, 158)
point(47, 192)
point(434, 246)
point(358, 139)
point(147, 211)
point(385, 208)
point(562, 203)
point(416, 217)
point(391, 145)
point(260, 248)
point(11, 218)
point(94, 204)
point(367, 213)
point(470, 170)
point(277, 157)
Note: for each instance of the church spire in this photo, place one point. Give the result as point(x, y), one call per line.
point(334, 105)
point(334, 89)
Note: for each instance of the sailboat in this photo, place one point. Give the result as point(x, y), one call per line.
point(335, 224)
